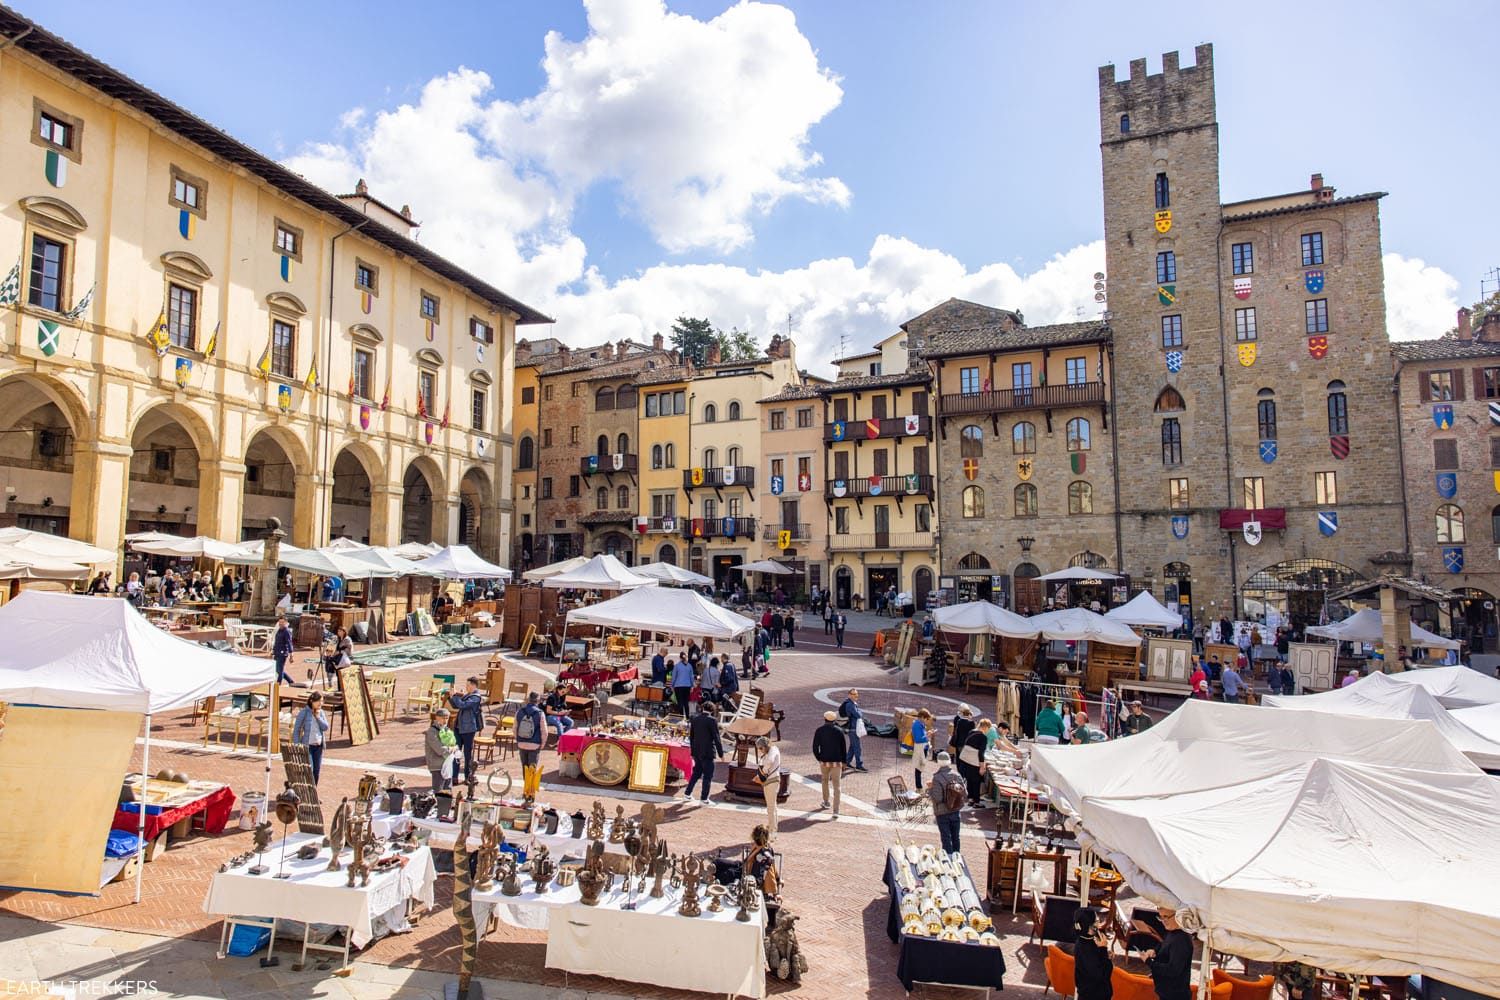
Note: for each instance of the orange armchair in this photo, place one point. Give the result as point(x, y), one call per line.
point(1218, 991)
point(1129, 986)
point(1059, 966)
point(1243, 989)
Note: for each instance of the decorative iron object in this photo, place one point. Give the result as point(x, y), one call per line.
point(632, 839)
point(262, 843)
point(338, 831)
point(595, 829)
point(490, 840)
point(691, 868)
point(783, 953)
point(510, 883)
point(286, 811)
point(362, 839)
point(617, 826)
point(579, 822)
point(542, 868)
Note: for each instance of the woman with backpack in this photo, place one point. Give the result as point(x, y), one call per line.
point(531, 734)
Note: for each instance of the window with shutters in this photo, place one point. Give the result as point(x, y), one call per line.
point(1445, 455)
point(841, 409)
point(1440, 385)
point(841, 465)
point(1487, 383)
point(841, 520)
point(1450, 524)
point(879, 462)
point(778, 420)
point(804, 467)
point(919, 460)
point(1326, 487)
point(804, 416)
point(878, 406)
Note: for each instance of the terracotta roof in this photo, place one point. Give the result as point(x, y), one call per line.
point(51, 49)
point(857, 357)
point(1230, 216)
point(984, 339)
point(1444, 349)
point(789, 393)
point(659, 376)
point(851, 382)
point(607, 517)
point(1405, 584)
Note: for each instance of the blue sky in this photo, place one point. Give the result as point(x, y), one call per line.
point(849, 167)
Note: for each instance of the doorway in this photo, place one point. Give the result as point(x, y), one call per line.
point(878, 580)
point(843, 587)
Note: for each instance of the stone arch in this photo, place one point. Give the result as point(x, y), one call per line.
point(424, 501)
point(61, 394)
point(478, 515)
point(286, 302)
point(175, 482)
point(278, 483)
point(54, 212)
point(190, 265)
point(358, 494)
point(52, 473)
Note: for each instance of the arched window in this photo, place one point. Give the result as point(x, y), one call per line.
point(973, 561)
point(973, 500)
point(710, 413)
point(1163, 191)
point(526, 453)
point(656, 456)
point(670, 456)
point(625, 398)
point(710, 457)
point(1450, 524)
point(1124, 123)
point(734, 410)
point(1026, 500)
point(604, 399)
point(1338, 409)
point(668, 555)
point(710, 509)
point(1169, 400)
point(1023, 438)
point(1078, 434)
point(732, 456)
point(622, 497)
point(601, 446)
point(1089, 560)
point(1171, 442)
point(1080, 498)
point(601, 498)
point(1265, 414)
point(971, 442)
point(622, 443)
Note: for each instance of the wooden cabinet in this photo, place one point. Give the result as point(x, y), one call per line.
point(1006, 870)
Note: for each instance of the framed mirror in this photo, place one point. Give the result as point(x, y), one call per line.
point(648, 769)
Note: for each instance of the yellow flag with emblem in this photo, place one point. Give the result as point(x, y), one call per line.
point(264, 364)
point(311, 382)
point(158, 334)
point(784, 537)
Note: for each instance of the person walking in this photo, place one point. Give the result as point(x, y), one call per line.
point(435, 748)
point(311, 730)
point(703, 740)
point(708, 683)
point(469, 722)
point(682, 685)
point(921, 743)
point(854, 726)
point(659, 669)
point(747, 658)
point(840, 622)
point(1233, 685)
point(1092, 967)
point(829, 750)
point(971, 759)
point(1137, 721)
point(947, 794)
point(281, 651)
point(768, 776)
point(827, 617)
point(1171, 961)
point(789, 622)
point(531, 734)
point(778, 625)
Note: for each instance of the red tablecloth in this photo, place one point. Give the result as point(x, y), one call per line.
point(679, 755)
point(215, 807)
point(591, 678)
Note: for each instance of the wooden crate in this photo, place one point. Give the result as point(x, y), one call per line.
point(1107, 664)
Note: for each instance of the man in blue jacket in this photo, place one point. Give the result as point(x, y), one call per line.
point(682, 684)
point(854, 726)
point(470, 709)
point(281, 651)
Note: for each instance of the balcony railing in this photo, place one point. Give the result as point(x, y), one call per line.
point(876, 428)
point(873, 541)
point(593, 464)
point(771, 531)
point(664, 524)
point(720, 477)
point(879, 486)
point(1037, 397)
point(718, 527)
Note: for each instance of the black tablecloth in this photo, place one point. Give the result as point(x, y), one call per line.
point(928, 960)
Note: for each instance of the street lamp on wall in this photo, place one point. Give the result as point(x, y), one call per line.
point(1026, 543)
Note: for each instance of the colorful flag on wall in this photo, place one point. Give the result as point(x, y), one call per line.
point(421, 407)
point(385, 398)
point(47, 333)
point(212, 347)
point(286, 268)
point(158, 335)
point(187, 224)
point(447, 407)
point(264, 364)
point(311, 382)
point(83, 304)
point(56, 168)
point(10, 288)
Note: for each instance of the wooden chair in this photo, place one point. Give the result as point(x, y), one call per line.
point(1059, 966)
point(768, 711)
point(422, 696)
point(486, 743)
point(517, 691)
point(1052, 917)
point(383, 694)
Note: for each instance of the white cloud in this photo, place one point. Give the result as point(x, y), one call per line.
point(1421, 299)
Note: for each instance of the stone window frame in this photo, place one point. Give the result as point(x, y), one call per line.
point(74, 150)
point(374, 286)
point(476, 324)
point(1080, 497)
point(55, 220)
point(298, 235)
point(423, 297)
point(175, 174)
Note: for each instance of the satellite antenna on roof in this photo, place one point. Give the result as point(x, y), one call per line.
point(1100, 291)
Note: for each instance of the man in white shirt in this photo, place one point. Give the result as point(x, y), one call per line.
point(768, 773)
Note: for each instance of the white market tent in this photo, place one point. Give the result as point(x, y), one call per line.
point(19, 564)
point(197, 547)
point(1146, 611)
point(1079, 573)
point(73, 651)
point(1364, 626)
point(664, 609)
point(342, 544)
point(671, 573)
point(603, 572)
point(1454, 687)
point(459, 562)
point(1483, 719)
point(552, 569)
point(770, 566)
point(324, 562)
point(1076, 624)
point(1363, 868)
point(1207, 744)
point(55, 547)
point(385, 559)
point(983, 618)
point(1379, 697)
point(416, 550)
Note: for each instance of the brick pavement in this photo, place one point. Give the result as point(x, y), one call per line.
point(833, 868)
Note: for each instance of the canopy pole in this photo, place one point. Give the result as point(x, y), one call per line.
point(1204, 989)
point(1015, 898)
point(140, 829)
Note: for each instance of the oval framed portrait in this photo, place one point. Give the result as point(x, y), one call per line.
point(605, 762)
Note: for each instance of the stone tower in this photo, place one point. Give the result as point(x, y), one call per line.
point(1159, 141)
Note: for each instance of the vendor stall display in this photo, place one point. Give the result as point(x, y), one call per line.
point(168, 802)
point(937, 919)
point(604, 756)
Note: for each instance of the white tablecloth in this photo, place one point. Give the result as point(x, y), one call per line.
point(711, 953)
point(444, 836)
point(315, 895)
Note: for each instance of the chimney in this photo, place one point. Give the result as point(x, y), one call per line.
point(362, 189)
point(1464, 331)
point(523, 350)
point(563, 352)
point(1317, 182)
point(1490, 331)
point(606, 350)
point(622, 348)
point(656, 341)
point(711, 354)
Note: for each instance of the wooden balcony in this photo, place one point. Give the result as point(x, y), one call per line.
point(1035, 398)
point(590, 465)
point(718, 527)
point(772, 530)
point(881, 486)
point(878, 540)
point(883, 428)
point(715, 477)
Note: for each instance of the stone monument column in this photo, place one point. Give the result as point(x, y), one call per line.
point(263, 598)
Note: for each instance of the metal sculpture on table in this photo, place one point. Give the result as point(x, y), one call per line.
point(595, 830)
point(463, 905)
point(510, 882)
point(362, 839)
point(691, 868)
point(748, 898)
point(542, 868)
point(490, 840)
point(286, 812)
point(617, 827)
point(338, 832)
point(262, 843)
